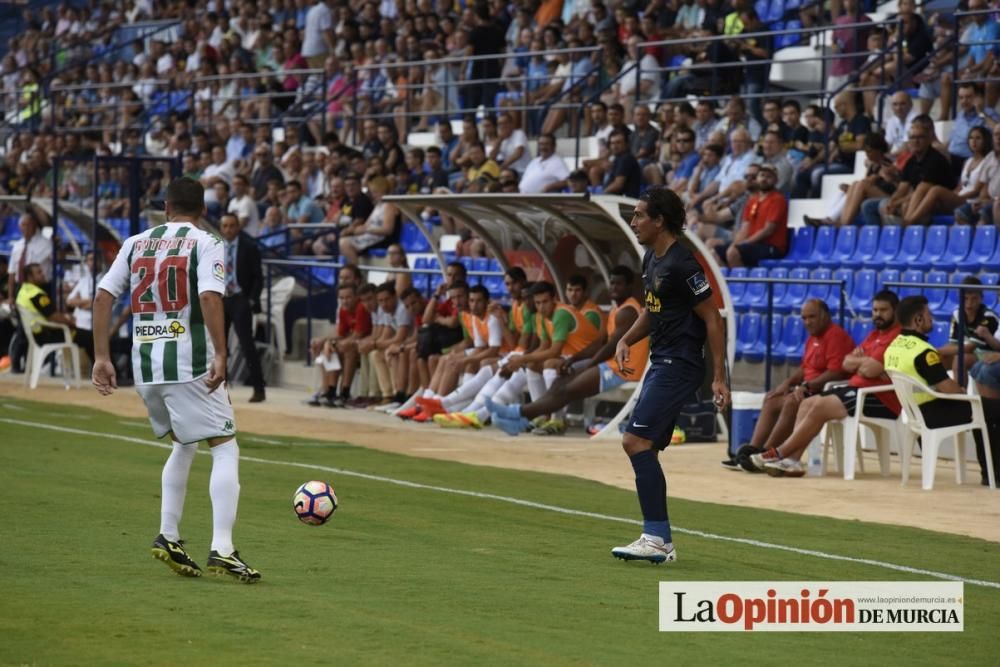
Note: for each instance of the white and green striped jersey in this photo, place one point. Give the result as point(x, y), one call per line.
point(165, 269)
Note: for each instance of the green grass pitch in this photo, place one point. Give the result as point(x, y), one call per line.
point(406, 575)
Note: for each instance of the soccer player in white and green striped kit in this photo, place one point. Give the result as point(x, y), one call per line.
point(176, 275)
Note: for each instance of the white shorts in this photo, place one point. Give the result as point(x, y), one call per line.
point(187, 409)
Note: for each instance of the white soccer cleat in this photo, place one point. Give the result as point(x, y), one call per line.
point(647, 547)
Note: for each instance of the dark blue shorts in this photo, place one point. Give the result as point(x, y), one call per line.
point(669, 384)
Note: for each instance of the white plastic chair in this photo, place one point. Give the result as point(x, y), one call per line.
point(931, 438)
point(844, 435)
point(38, 353)
point(273, 313)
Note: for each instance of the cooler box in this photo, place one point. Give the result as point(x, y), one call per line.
point(746, 410)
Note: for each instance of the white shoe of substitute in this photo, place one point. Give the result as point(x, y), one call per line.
point(647, 547)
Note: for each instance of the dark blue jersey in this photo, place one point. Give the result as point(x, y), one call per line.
point(674, 284)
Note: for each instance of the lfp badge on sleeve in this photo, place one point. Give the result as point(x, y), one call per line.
point(812, 606)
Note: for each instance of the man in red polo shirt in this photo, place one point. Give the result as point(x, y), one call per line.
point(339, 357)
point(763, 232)
point(865, 361)
point(822, 362)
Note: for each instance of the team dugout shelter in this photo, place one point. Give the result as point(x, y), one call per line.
point(555, 236)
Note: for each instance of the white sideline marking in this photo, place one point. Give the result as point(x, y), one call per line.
point(528, 503)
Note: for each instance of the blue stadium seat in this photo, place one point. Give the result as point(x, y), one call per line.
point(959, 245)
point(762, 7)
point(990, 298)
point(11, 231)
point(433, 263)
point(376, 252)
point(992, 263)
point(495, 286)
point(779, 290)
point(748, 334)
point(866, 248)
point(756, 295)
point(817, 290)
point(479, 264)
point(758, 352)
point(737, 290)
point(984, 242)
point(436, 280)
point(412, 240)
point(466, 262)
point(789, 40)
point(864, 290)
point(775, 12)
point(800, 248)
point(323, 275)
point(888, 247)
point(724, 270)
point(847, 238)
point(910, 247)
point(935, 245)
point(951, 298)
point(860, 327)
point(795, 295)
point(939, 335)
point(910, 276)
point(826, 241)
point(936, 297)
point(793, 338)
point(943, 219)
point(888, 275)
point(494, 265)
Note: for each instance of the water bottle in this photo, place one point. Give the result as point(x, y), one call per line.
point(815, 454)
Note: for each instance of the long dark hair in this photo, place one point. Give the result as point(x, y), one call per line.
point(664, 202)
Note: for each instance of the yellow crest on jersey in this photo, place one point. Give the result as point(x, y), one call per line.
point(933, 358)
point(653, 304)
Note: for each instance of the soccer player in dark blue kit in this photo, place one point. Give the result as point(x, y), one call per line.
point(679, 314)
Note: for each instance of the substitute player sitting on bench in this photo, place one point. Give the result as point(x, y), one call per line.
point(596, 370)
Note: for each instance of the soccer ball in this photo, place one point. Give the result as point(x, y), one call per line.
point(314, 503)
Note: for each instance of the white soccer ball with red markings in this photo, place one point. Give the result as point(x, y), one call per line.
point(314, 503)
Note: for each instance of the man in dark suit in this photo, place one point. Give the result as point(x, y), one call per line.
point(244, 281)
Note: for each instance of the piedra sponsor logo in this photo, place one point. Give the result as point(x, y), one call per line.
point(147, 332)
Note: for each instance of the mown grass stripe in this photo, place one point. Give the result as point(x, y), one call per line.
point(535, 505)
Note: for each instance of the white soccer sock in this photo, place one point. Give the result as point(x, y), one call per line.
point(466, 377)
point(468, 390)
point(489, 389)
point(536, 385)
point(174, 487)
point(224, 488)
point(511, 391)
point(549, 375)
point(428, 393)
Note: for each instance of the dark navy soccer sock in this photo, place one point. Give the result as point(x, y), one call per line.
point(651, 486)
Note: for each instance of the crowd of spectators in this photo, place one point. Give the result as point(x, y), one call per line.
point(257, 100)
